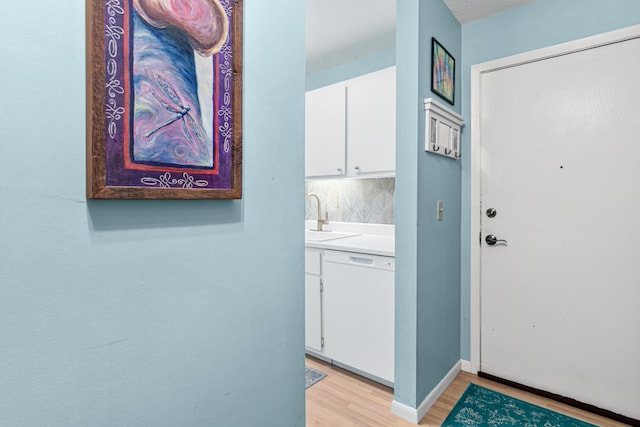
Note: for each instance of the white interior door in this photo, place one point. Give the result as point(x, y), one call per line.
point(560, 164)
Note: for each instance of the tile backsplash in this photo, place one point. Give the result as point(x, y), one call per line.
point(352, 200)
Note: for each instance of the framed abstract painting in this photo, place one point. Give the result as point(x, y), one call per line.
point(443, 71)
point(164, 99)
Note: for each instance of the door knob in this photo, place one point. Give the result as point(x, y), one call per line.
point(492, 240)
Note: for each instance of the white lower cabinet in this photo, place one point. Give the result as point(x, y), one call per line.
point(313, 301)
point(313, 312)
point(357, 313)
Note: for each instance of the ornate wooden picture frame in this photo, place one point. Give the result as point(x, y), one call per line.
point(164, 99)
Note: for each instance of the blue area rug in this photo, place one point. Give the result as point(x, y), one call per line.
point(312, 376)
point(479, 406)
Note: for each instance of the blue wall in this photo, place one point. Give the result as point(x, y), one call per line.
point(147, 313)
point(438, 241)
point(427, 250)
point(533, 26)
point(406, 200)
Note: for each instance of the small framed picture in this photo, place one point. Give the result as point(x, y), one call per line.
point(443, 71)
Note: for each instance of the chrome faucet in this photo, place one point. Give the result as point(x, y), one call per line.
point(321, 221)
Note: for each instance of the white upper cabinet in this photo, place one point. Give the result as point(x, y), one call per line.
point(351, 127)
point(371, 123)
point(325, 124)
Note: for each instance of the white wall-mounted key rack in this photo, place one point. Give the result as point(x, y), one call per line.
point(442, 129)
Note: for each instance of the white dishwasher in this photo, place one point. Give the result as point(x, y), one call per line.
point(359, 306)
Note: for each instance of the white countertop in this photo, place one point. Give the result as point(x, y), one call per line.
point(373, 239)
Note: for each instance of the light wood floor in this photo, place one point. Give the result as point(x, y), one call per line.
point(343, 399)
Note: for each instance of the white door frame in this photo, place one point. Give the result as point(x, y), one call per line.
point(476, 166)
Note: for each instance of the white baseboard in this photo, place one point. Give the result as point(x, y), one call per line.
point(414, 415)
point(404, 411)
point(470, 366)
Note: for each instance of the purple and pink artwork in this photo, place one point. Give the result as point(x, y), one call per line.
point(168, 91)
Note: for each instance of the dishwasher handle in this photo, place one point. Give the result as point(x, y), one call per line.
point(360, 260)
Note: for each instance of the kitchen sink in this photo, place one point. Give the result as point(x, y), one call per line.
point(323, 236)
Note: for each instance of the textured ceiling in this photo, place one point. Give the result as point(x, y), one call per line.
point(470, 10)
point(339, 31)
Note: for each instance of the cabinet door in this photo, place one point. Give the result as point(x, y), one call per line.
point(325, 131)
point(312, 312)
point(371, 125)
